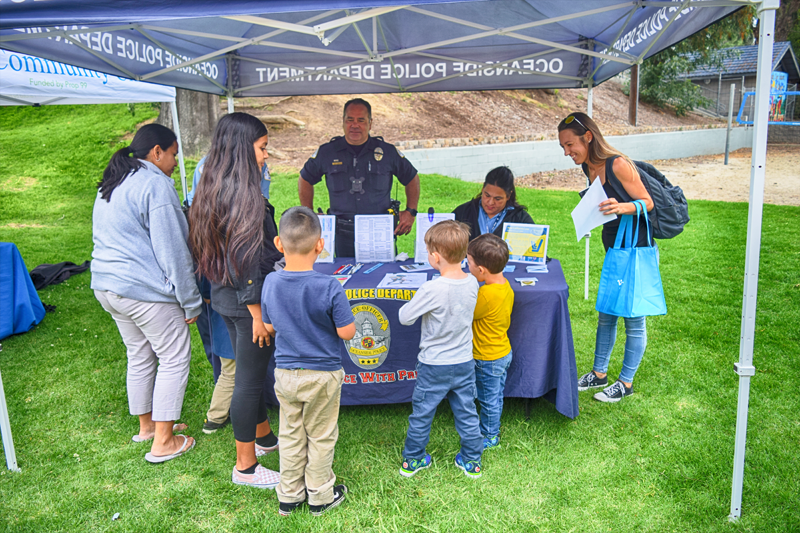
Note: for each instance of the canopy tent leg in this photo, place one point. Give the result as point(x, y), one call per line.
point(5, 432)
point(588, 235)
point(177, 127)
point(744, 368)
point(230, 105)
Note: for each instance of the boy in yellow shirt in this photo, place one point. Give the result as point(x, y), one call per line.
point(491, 349)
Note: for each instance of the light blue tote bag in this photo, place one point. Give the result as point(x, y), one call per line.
point(630, 284)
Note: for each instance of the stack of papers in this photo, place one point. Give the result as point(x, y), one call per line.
point(537, 269)
point(402, 280)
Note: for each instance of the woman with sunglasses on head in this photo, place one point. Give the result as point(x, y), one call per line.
point(496, 203)
point(232, 227)
point(142, 276)
point(581, 140)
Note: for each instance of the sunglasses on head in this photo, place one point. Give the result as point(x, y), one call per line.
point(572, 118)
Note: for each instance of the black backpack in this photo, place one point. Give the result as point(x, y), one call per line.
point(670, 212)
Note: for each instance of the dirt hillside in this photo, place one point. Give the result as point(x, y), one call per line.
point(419, 116)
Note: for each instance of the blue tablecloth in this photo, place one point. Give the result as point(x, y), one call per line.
point(20, 306)
point(379, 363)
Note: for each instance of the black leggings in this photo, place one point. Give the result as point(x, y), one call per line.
point(249, 403)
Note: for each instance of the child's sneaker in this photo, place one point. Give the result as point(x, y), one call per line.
point(338, 497)
point(412, 466)
point(472, 469)
point(261, 479)
point(491, 442)
point(591, 381)
point(614, 393)
point(285, 509)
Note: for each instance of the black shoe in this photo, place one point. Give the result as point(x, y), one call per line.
point(338, 497)
point(285, 509)
point(614, 393)
point(211, 427)
point(591, 381)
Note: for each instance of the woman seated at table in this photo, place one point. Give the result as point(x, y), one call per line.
point(497, 203)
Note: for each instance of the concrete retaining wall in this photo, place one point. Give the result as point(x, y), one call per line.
point(471, 163)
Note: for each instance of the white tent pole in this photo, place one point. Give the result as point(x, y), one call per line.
point(744, 368)
point(588, 235)
point(229, 65)
point(5, 432)
point(177, 129)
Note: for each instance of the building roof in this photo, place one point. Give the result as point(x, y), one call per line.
point(743, 60)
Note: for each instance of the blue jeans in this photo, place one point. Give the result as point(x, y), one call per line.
point(490, 378)
point(635, 344)
point(434, 383)
point(204, 328)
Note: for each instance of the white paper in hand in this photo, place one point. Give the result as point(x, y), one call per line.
point(587, 215)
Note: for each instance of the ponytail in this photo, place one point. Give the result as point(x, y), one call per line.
point(125, 161)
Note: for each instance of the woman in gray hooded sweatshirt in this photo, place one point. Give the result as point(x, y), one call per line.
point(142, 274)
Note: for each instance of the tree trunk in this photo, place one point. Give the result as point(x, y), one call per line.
point(198, 113)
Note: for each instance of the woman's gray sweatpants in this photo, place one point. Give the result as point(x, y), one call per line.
point(159, 351)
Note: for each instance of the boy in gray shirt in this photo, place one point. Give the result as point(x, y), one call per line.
point(445, 368)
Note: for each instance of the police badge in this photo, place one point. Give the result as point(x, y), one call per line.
point(378, 153)
point(370, 345)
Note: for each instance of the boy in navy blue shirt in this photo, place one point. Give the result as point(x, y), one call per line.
point(309, 312)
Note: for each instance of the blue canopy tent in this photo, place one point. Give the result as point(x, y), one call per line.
point(282, 47)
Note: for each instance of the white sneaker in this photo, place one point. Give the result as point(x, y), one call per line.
point(614, 393)
point(262, 478)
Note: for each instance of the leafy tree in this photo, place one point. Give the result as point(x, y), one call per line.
point(660, 76)
point(794, 34)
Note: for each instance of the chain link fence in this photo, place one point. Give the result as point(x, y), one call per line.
point(717, 93)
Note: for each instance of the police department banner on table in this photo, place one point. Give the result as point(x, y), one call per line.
point(277, 47)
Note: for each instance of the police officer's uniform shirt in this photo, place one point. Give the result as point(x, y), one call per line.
point(359, 178)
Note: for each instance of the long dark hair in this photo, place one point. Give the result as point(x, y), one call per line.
point(502, 177)
point(226, 220)
point(126, 160)
point(598, 148)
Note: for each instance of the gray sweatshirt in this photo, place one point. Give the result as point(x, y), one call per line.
point(140, 243)
point(446, 307)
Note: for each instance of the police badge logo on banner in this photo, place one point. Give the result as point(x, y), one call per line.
point(370, 346)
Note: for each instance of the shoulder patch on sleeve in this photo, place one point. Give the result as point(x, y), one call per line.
point(315, 154)
point(400, 153)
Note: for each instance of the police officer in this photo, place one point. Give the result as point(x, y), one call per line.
point(358, 172)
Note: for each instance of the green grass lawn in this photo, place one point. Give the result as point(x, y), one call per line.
point(659, 461)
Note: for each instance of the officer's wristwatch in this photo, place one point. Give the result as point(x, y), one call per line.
point(412, 211)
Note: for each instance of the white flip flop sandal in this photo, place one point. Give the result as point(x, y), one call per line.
point(155, 459)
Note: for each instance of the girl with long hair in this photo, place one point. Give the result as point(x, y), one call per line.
point(496, 203)
point(581, 140)
point(231, 237)
point(142, 276)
